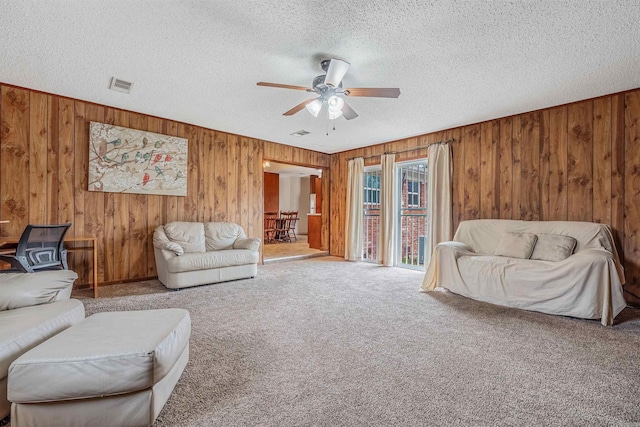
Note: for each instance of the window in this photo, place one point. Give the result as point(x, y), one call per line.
point(413, 193)
point(372, 189)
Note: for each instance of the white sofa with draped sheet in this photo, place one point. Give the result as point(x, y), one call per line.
point(587, 284)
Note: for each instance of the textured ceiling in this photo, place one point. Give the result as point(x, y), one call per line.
point(455, 62)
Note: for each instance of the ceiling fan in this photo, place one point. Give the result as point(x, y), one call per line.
point(329, 88)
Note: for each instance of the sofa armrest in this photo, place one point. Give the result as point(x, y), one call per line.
point(251, 244)
point(594, 253)
point(19, 290)
point(161, 241)
point(443, 253)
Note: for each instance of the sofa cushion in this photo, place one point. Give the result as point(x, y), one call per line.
point(24, 328)
point(212, 259)
point(108, 353)
point(26, 289)
point(516, 245)
point(189, 235)
point(553, 247)
point(222, 235)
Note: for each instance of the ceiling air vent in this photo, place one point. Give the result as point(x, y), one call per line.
point(300, 133)
point(120, 85)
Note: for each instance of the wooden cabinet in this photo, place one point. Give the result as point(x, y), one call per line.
point(315, 231)
point(271, 192)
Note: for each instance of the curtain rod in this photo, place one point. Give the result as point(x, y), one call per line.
point(406, 150)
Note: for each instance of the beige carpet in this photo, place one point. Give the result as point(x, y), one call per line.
point(325, 342)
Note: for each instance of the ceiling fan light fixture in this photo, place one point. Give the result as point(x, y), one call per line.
point(314, 107)
point(334, 114)
point(335, 104)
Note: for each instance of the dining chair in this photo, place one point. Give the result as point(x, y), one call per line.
point(282, 228)
point(41, 247)
point(270, 226)
point(291, 230)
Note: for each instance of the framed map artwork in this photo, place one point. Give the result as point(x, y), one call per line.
point(123, 160)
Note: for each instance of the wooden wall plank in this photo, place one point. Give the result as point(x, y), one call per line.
point(53, 157)
point(489, 168)
point(529, 167)
point(471, 140)
point(221, 175)
point(326, 208)
point(233, 181)
point(94, 207)
point(457, 154)
point(544, 165)
point(558, 174)
point(81, 166)
point(255, 223)
point(207, 179)
point(121, 219)
point(632, 193)
point(516, 167)
point(38, 137)
point(14, 135)
point(506, 168)
point(602, 160)
point(486, 172)
point(580, 161)
point(67, 170)
point(618, 171)
point(243, 193)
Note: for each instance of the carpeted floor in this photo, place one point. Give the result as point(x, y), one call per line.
point(325, 342)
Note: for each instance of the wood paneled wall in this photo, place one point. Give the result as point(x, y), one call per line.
point(576, 162)
point(44, 168)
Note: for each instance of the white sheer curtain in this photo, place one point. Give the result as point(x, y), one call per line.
point(354, 227)
point(439, 212)
point(387, 212)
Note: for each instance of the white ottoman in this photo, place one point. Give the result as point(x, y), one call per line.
point(112, 369)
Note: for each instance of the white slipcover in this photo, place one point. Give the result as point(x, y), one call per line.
point(588, 284)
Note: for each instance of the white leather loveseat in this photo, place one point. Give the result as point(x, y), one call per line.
point(582, 278)
point(196, 253)
point(33, 308)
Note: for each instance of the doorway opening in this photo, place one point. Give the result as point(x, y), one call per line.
point(292, 212)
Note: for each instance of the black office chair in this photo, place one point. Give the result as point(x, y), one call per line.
point(41, 247)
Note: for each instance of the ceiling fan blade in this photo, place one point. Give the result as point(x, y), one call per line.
point(336, 71)
point(375, 92)
point(281, 86)
point(348, 112)
point(299, 107)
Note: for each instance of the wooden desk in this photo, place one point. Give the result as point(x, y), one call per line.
point(3, 221)
point(72, 239)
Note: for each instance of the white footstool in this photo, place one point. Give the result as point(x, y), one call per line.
point(112, 369)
